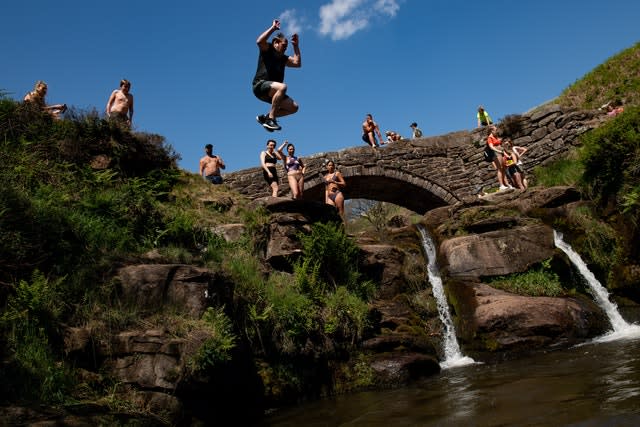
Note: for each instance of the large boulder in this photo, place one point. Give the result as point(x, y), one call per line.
point(398, 368)
point(498, 252)
point(383, 264)
point(288, 218)
point(495, 320)
point(185, 287)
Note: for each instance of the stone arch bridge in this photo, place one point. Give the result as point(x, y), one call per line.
point(425, 173)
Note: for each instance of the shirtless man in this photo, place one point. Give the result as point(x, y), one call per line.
point(210, 166)
point(268, 82)
point(120, 104)
point(368, 129)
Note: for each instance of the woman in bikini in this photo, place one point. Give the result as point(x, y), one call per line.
point(268, 160)
point(334, 182)
point(295, 169)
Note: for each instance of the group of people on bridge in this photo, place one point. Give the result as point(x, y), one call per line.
point(295, 169)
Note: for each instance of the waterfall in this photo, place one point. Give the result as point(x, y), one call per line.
point(452, 355)
point(621, 329)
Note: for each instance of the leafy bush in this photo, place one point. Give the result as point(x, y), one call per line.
point(33, 372)
point(611, 157)
point(345, 316)
point(511, 126)
point(540, 281)
point(28, 322)
point(595, 240)
point(330, 260)
point(216, 349)
point(291, 313)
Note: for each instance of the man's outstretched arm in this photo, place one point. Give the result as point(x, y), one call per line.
point(262, 38)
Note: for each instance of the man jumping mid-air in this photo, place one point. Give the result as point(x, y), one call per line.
point(268, 83)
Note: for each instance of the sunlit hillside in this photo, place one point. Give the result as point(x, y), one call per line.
point(617, 79)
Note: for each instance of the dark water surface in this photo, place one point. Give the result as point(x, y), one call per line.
point(596, 384)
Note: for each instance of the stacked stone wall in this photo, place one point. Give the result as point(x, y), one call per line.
point(438, 169)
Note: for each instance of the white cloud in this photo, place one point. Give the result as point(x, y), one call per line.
point(292, 23)
point(340, 19)
point(388, 7)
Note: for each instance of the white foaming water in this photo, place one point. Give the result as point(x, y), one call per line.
point(453, 357)
point(621, 329)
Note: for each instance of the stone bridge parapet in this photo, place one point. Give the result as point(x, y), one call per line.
point(424, 173)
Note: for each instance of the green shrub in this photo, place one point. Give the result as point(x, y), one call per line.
point(34, 373)
point(330, 260)
point(291, 314)
point(345, 316)
point(511, 126)
point(30, 318)
point(611, 157)
point(540, 281)
point(595, 240)
point(40, 301)
point(216, 349)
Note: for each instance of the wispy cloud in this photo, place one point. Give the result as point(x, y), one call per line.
point(340, 19)
point(387, 7)
point(292, 22)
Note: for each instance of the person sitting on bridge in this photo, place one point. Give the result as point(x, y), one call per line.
point(416, 132)
point(369, 130)
point(483, 117)
point(392, 136)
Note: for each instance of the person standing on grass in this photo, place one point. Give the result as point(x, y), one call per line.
point(210, 166)
point(268, 82)
point(120, 104)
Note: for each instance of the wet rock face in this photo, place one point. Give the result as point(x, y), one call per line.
point(287, 219)
point(383, 264)
point(498, 252)
point(500, 321)
point(497, 235)
point(188, 288)
point(396, 368)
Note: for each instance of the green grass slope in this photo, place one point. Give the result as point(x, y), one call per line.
point(618, 78)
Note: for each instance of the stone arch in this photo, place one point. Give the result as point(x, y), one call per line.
point(386, 185)
point(434, 171)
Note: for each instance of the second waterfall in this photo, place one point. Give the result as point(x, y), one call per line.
point(452, 354)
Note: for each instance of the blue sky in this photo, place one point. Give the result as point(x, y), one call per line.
point(191, 63)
